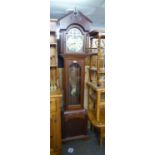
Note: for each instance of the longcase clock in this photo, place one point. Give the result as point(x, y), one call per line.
point(74, 28)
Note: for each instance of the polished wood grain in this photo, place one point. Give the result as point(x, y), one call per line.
point(96, 108)
point(75, 124)
point(78, 19)
point(96, 58)
point(55, 123)
point(68, 60)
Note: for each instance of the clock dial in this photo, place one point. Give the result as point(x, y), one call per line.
point(74, 40)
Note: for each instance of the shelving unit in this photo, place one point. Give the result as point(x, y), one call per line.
point(53, 48)
point(96, 85)
point(55, 123)
point(55, 95)
point(54, 79)
point(96, 108)
point(96, 101)
point(96, 53)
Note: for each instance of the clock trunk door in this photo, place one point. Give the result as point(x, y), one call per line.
point(74, 84)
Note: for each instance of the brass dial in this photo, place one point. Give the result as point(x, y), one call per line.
point(74, 40)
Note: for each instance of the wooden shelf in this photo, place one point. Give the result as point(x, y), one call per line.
point(53, 44)
point(93, 69)
point(99, 71)
point(56, 93)
point(93, 120)
point(94, 48)
point(102, 35)
point(53, 50)
point(52, 31)
point(102, 80)
point(96, 34)
point(53, 66)
point(100, 58)
point(91, 53)
point(91, 48)
point(93, 34)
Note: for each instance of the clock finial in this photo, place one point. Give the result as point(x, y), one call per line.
point(75, 11)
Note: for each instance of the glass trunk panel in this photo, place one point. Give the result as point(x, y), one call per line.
point(74, 84)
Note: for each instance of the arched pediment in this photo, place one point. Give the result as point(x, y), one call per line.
point(75, 18)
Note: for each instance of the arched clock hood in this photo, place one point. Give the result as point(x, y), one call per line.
point(75, 17)
point(75, 43)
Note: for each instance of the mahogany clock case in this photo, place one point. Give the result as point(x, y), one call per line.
point(74, 102)
point(74, 125)
point(74, 116)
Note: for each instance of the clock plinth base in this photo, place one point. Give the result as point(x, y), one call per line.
point(74, 125)
point(84, 137)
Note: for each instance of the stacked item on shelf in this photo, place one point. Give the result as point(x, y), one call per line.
point(96, 85)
